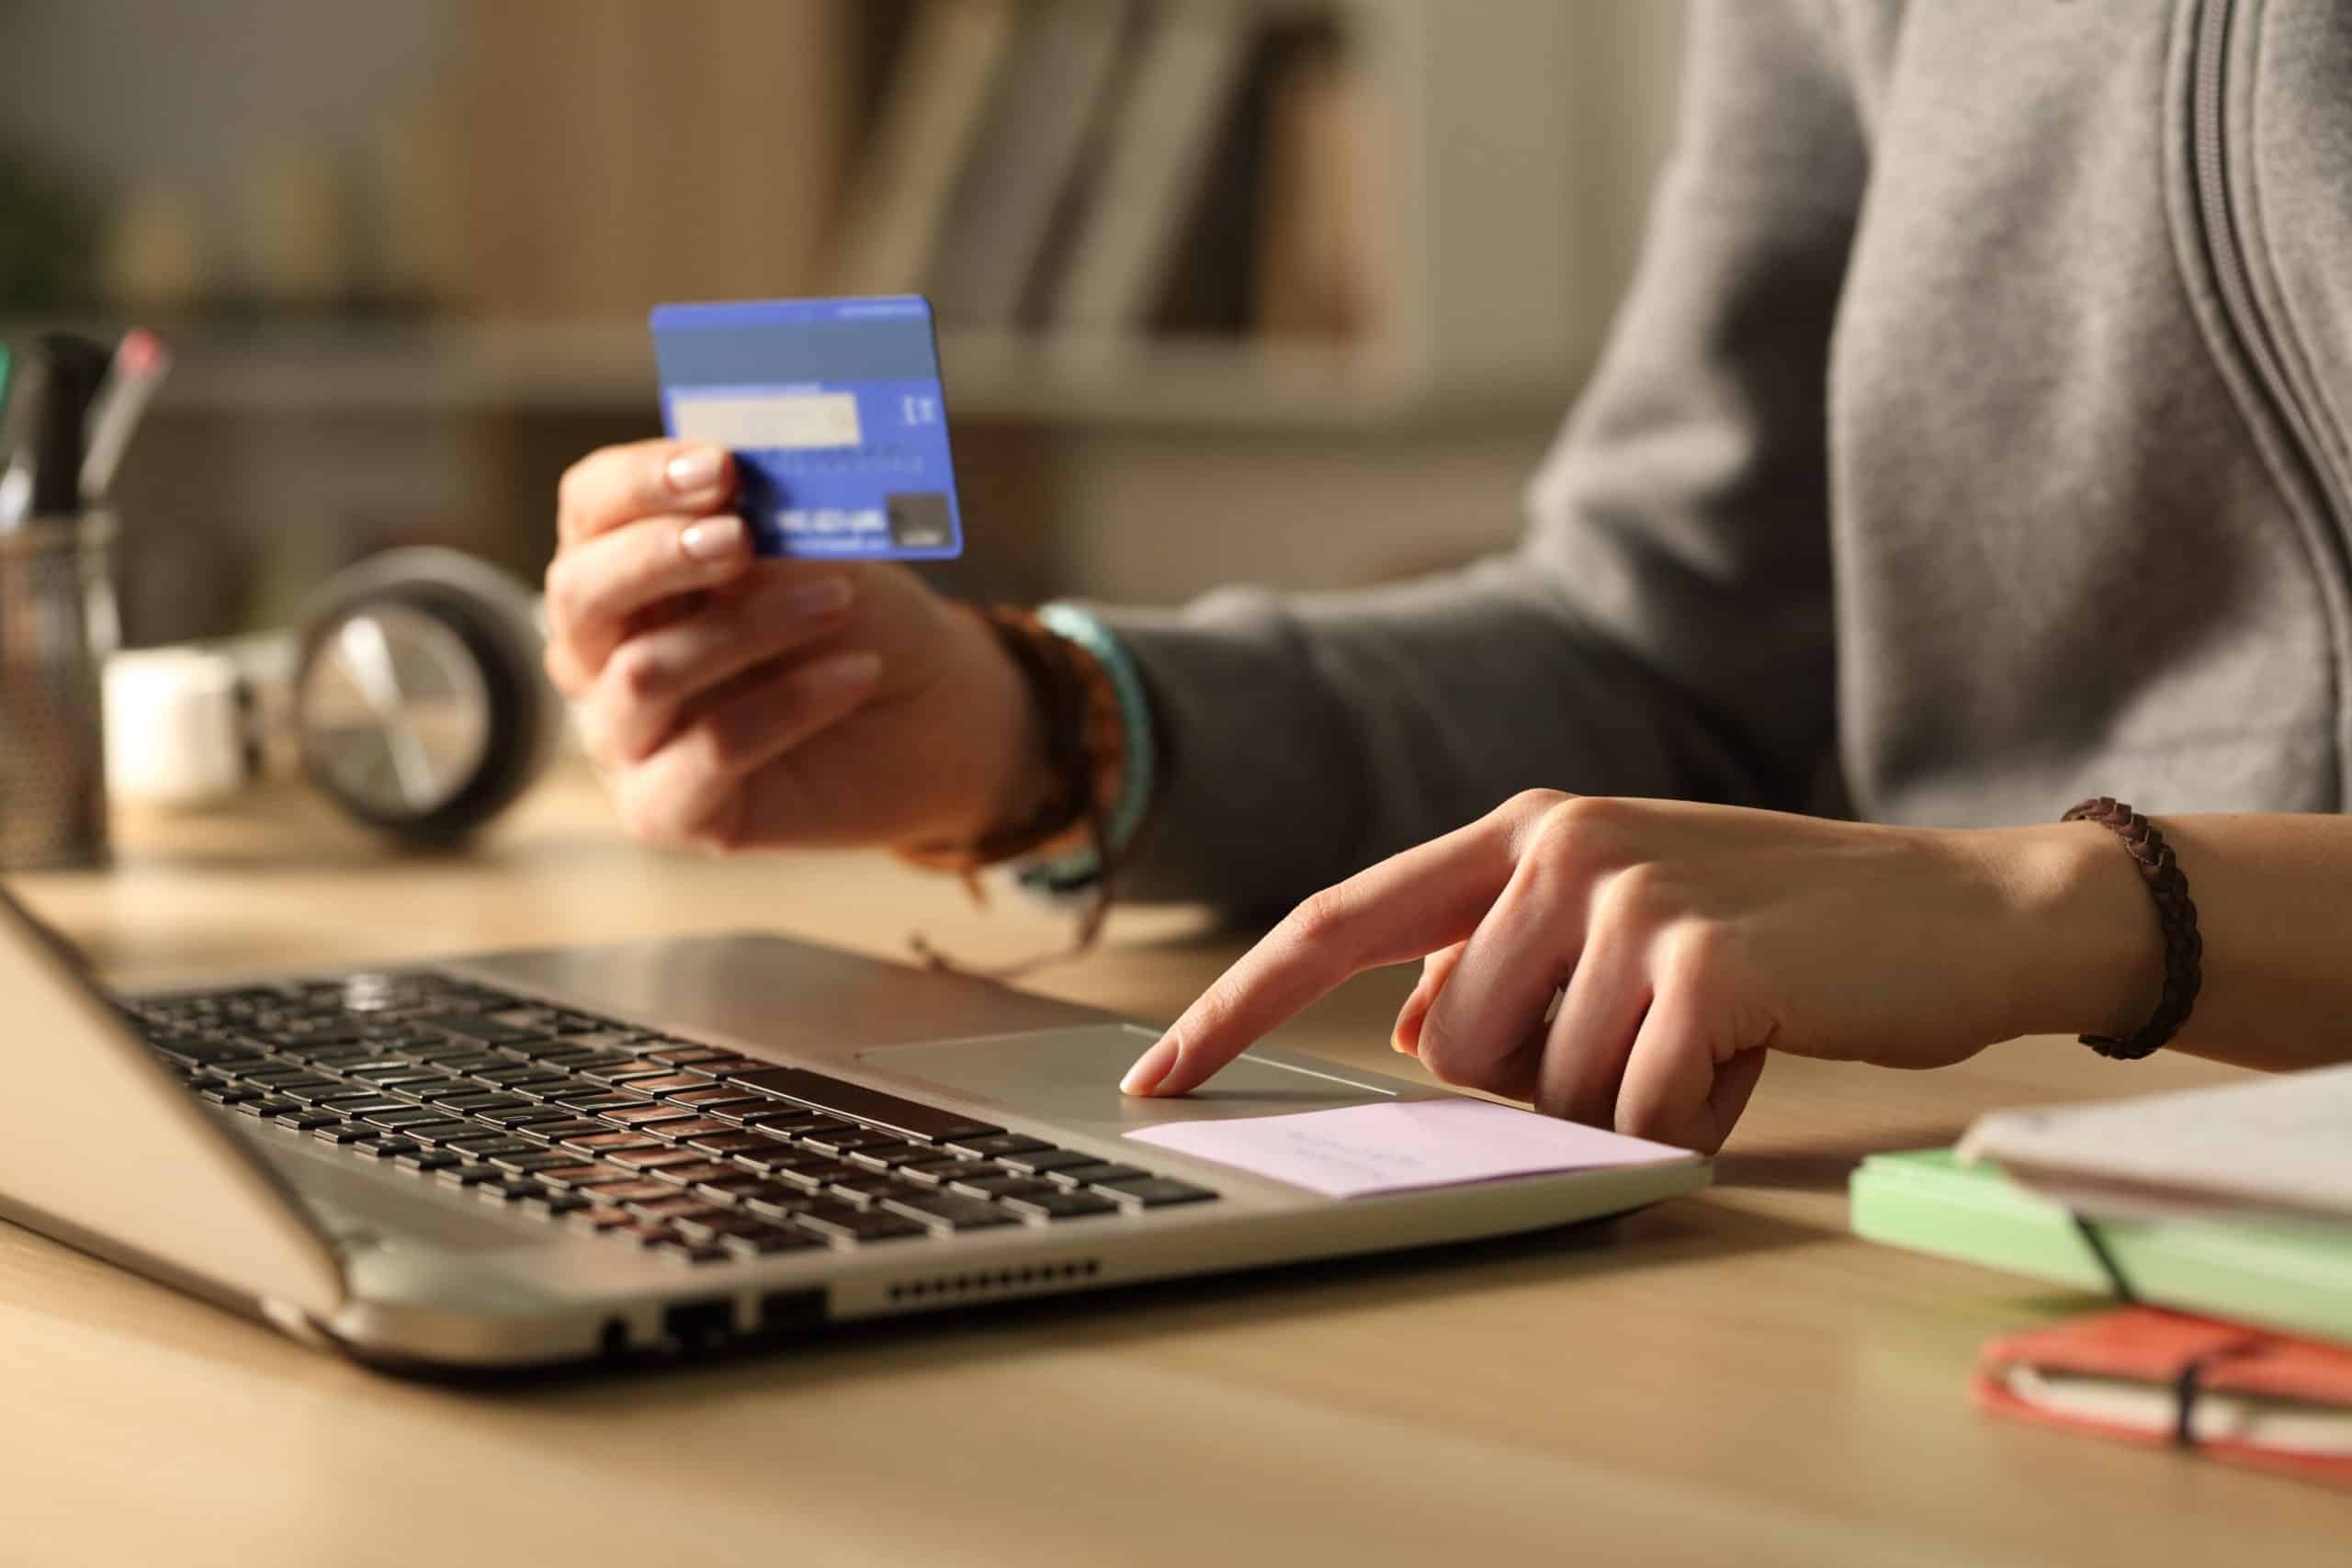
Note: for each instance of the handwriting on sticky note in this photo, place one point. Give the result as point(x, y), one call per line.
point(1402, 1145)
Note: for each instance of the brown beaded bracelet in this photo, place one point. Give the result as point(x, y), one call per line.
point(2175, 921)
point(1085, 738)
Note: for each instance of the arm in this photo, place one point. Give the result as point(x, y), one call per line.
point(1665, 629)
point(2271, 893)
point(1686, 941)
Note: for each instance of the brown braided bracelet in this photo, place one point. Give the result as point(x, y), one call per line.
point(2175, 921)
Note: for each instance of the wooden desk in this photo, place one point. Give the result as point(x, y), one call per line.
point(1728, 1379)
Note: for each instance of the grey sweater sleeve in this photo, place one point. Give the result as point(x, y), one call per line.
point(1664, 626)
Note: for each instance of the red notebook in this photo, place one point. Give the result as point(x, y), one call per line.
point(2242, 1394)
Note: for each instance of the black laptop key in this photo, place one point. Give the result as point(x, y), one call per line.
point(488, 1105)
point(908, 1118)
point(685, 1053)
point(796, 1122)
point(307, 1088)
point(441, 1131)
point(1001, 1184)
point(1059, 1205)
point(767, 1241)
point(626, 1070)
point(425, 1159)
point(391, 1068)
point(308, 1121)
point(1156, 1191)
point(732, 1187)
point(590, 1105)
point(839, 1222)
point(693, 1127)
point(536, 1160)
point(389, 1146)
point(938, 1172)
point(344, 1132)
point(626, 1192)
point(268, 1106)
point(494, 1146)
point(1097, 1174)
point(570, 1127)
point(1037, 1162)
point(336, 1056)
point(401, 1116)
point(514, 1190)
point(831, 1141)
point(865, 1188)
point(814, 1174)
point(890, 1156)
point(998, 1143)
point(577, 1174)
point(778, 1203)
point(474, 1026)
point(529, 1119)
point(946, 1211)
point(230, 1095)
point(277, 1074)
point(730, 1109)
point(733, 1142)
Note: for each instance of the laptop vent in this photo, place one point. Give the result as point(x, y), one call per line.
point(994, 1282)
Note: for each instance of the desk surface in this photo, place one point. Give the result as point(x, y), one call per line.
point(1725, 1379)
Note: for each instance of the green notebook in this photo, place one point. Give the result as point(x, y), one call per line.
point(2287, 1274)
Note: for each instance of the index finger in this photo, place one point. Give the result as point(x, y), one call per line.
point(620, 484)
point(1412, 904)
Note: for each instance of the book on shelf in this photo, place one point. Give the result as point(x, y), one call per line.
point(1050, 103)
point(1159, 151)
point(939, 88)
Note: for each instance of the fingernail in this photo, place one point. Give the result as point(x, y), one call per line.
point(713, 539)
point(695, 468)
point(849, 670)
point(815, 601)
point(1151, 1067)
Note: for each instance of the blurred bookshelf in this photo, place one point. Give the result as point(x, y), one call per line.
point(1261, 212)
point(1284, 290)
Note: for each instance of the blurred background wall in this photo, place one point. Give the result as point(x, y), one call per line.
point(1291, 291)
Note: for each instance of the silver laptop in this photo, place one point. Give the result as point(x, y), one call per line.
point(548, 1157)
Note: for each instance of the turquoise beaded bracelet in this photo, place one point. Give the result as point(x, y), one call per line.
point(1078, 870)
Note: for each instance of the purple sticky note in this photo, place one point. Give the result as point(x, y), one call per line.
point(1402, 1145)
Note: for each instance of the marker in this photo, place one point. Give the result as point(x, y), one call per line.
point(141, 362)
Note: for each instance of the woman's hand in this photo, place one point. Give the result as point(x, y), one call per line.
point(1690, 939)
point(733, 701)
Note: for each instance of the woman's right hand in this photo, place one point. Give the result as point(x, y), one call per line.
point(733, 702)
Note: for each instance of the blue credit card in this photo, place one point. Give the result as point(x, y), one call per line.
point(834, 413)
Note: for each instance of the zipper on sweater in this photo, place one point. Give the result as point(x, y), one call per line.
point(2224, 249)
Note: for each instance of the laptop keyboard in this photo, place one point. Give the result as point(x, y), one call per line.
point(695, 1153)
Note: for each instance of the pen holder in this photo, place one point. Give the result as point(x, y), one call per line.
point(58, 622)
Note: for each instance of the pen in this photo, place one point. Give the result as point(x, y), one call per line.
point(141, 362)
point(72, 369)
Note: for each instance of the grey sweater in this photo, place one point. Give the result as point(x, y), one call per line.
point(1976, 437)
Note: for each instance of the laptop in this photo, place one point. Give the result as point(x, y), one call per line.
point(584, 1154)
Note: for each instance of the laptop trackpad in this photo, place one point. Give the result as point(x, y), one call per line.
point(1072, 1076)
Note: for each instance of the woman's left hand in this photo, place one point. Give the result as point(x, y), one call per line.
point(1690, 939)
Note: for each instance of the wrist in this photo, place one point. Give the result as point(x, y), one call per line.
point(2089, 955)
point(1010, 770)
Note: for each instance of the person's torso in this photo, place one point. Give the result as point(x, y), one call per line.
point(2091, 408)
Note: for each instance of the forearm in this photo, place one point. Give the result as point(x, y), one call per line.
point(2271, 893)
